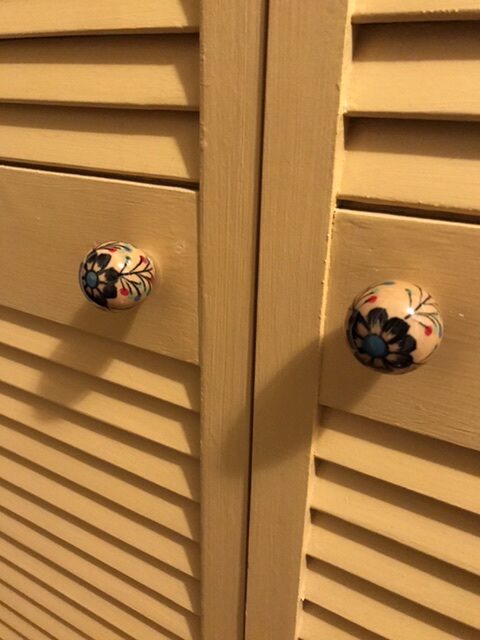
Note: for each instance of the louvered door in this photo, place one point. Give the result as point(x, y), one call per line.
point(365, 487)
point(125, 437)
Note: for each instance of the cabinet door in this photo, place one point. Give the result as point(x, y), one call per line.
point(125, 437)
point(365, 492)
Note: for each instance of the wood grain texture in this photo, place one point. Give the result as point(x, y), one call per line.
point(414, 10)
point(152, 374)
point(232, 50)
point(416, 70)
point(21, 18)
point(425, 525)
point(378, 610)
point(155, 144)
point(433, 468)
point(128, 71)
point(441, 399)
point(419, 578)
point(419, 164)
point(302, 103)
point(64, 216)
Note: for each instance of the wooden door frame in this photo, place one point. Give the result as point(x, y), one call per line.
point(304, 67)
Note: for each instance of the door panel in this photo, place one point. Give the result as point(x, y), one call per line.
point(125, 438)
point(368, 248)
point(64, 216)
point(365, 497)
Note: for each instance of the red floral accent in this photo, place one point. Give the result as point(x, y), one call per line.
point(143, 259)
point(372, 299)
point(123, 291)
point(111, 249)
point(428, 331)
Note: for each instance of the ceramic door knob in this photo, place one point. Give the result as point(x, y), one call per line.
point(394, 326)
point(116, 276)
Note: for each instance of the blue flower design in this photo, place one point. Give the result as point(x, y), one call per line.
point(380, 342)
point(97, 280)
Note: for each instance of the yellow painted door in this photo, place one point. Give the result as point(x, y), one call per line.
point(125, 437)
point(365, 487)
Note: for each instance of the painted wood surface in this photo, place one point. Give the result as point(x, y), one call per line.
point(398, 569)
point(433, 468)
point(164, 378)
point(15, 627)
point(62, 217)
point(416, 70)
point(317, 621)
point(95, 545)
point(171, 550)
point(129, 71)
point(378, 610)
point(386, 528)
point(121, 141)
point(410, 163)
point(302, 102)
point(16, 602)
point(57, 573)
point(124, 511)
point(232, 49)
point(106, 580)
point(414, 10)
point(23, 18)
point(441, 399)
point(413, 520)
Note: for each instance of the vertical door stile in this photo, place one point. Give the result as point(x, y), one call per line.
point(232, 58)
point(304, 65)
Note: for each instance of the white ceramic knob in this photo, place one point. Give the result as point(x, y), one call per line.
point(394, 326)
point(116, 276)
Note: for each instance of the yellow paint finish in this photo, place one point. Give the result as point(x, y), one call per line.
point(420, 578)
point(441, 399)
point(164, 378)
point(22, 18)
point(416, 70)
point(233, 46)
point(153, 608)
point(318, 622)
point(428, 526)
point(133, 142)
point(376, 609)
point(414, 10)
point(441, 470)
point(301, 117)
point(63, 217)
point(18, 627)
point(411, 163)
point(129, 71)
point(90, 542)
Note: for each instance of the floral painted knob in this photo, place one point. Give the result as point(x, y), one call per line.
point(394, 326)
point(116, 276)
